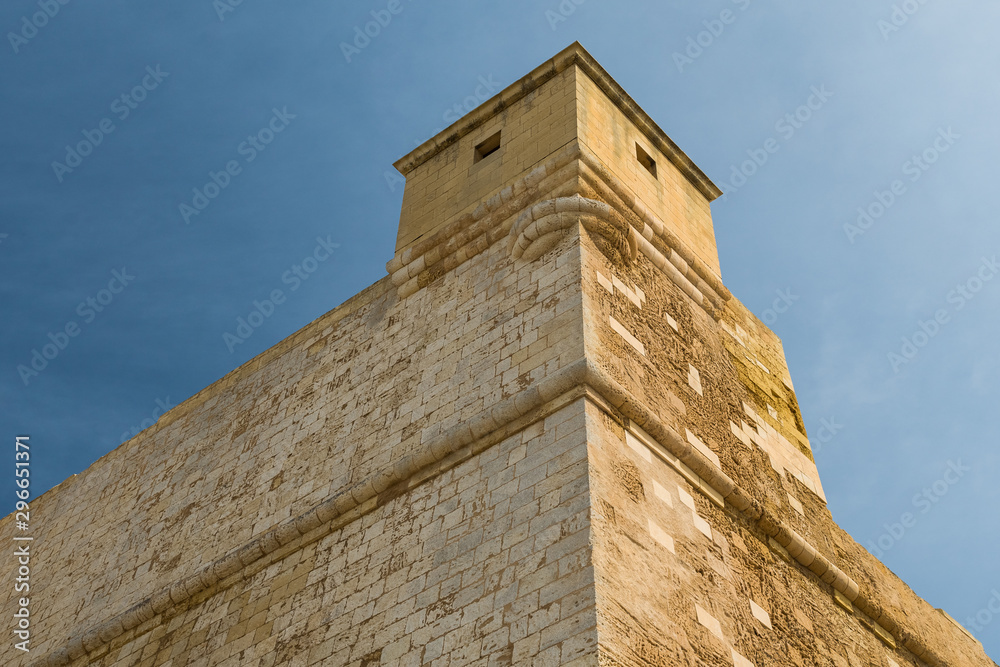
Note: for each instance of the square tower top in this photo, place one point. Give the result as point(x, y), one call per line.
point(568, 99)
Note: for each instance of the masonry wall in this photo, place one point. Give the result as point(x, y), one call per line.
point(609, 133)
point(452, 183)
point(346, 398)
point(712, 591)
point(550, 437)
point(682, 577)
point(487, 563)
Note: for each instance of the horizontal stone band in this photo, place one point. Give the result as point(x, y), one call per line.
point(484, 430)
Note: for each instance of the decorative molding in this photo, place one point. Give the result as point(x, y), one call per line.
point(652, 230)
point(702, 472)
point(579, 379)
point(542, 226)
point(472, 233)
point(628, 226)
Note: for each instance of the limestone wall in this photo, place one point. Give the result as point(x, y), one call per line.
point(369, 385)
point(487, 563)
point(550, 436)
point(452, 182)
point(606, 130)
point(687, 565)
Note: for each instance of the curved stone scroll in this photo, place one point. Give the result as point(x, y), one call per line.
point(539, 228)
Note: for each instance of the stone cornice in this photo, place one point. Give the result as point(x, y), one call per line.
point(557, 178)
point(574, 54)
point(579, 379)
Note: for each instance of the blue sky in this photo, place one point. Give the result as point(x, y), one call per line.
point(902, 126)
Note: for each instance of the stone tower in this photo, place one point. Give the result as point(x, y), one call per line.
point(549, 437)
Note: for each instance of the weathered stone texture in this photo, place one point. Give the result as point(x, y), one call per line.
point(488, 563)
point(669, 549)
point(451, 183)
point(612, 136)
point(344, 398)
point(549, 437)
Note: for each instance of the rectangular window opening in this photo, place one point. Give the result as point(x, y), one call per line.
point(646, 161)
point(488, 147)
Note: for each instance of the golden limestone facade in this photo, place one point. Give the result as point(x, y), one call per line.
point(550, 436)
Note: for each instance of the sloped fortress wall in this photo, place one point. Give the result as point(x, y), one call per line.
point(549, 437)
point(270, 499)
point(712, 540)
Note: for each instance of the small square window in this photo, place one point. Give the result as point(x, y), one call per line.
point(488, 147)
point(646, 161)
